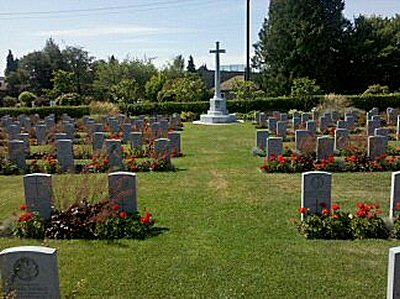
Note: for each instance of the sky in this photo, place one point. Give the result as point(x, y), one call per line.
point(157, 29)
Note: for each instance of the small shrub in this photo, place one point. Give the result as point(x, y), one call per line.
point(27, 98)
point(69, 99)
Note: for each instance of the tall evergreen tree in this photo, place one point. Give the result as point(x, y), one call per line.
point(191, 68)
point(12, 63)
point(300, 38)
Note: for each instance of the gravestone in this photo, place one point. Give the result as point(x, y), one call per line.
point(164, 126)
point(296, 114)
point(30, 272)
point(97, 127)
point(325, 146)
point(59, 136)
point(350, 120)
point(284, 117)
point(335, 116)
point(398, 128)
point(281, 128)
point(328, 117)
point(371, 126)
point(261, 139)
point(122, 190)
point(127, 127)
point(394, 193)
point(316, 191)
point(39, 194)
point(315, 114)
point(65, 154)
point(305, 141)
point(274, 147)
point(50, 122)
point(155, 128)
point(13, 131)
point(272, 125)
point(391, 116)
point(305, 117)
point(382, 132)
point(41, 134)
point(114, 126)
point(25, 138)
point(16, 153)
point(262, 120)
point(393, 284)
point(136, 141)
point(98, 141)
point(341, 139)
point(162, 149)
point(311, 126)
point(175, 142)
point(69, 129)
point(342, 124)
point(323, 124)
point(376, 146)
point(114, 154)
point(276, 115)
point(296, 122)
point(377, 120)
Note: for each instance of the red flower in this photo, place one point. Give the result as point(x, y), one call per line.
point(398, 206)
point(145, 220)
point(303, 210)
point(272, 157)
point(148, 215)
point(123, 214)
point(335, 207)
point(23, 207)
point(325, 212)
point(375, 206)
point(336, 216)
point(286, 147)
point(25, 217)
point(377, 212)
point(323, 204)
point(360, 205)
point(370, 215)
point(361, 213)
point(116, 207)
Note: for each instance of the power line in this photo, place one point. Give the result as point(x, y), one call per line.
point(142, 7)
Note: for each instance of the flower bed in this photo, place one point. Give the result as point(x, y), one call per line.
point(103, 220)
point(367, 223)
point(354, 163)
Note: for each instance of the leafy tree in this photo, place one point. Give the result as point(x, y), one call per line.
point(63, 83)
point(304, 89)
point(245, 90)
point(300, 38)
point(191, 68)
point(27, 98)
point(79, 63)
point(175, 69)
point(52, 50)
point(154, 86)
point(69, 99)
point(125, 92)
point(186, 89)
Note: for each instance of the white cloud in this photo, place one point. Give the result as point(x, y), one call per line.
point(106, 31)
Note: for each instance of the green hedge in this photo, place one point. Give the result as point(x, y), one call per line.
point(77, 111)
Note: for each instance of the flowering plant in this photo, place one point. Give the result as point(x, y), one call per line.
point(337, 224)
point(29, 225)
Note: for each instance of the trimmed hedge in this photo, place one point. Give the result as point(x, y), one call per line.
point(76, 112)
point(367, 102)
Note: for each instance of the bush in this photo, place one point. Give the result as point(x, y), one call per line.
point(335, 224)
point(9, 101)
point(69, 99)
point(377, 89)
point(58, 111)
point(102, 108)
point(27, 98)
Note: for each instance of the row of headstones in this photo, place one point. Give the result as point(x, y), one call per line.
point(39, 192)
point(324, 146)
point(32, 272)
point(317, 189)
point(163, 148)
point(159, 124)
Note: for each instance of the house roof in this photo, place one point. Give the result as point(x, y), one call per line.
point(228, 84)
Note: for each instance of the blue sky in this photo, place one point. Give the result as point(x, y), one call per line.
point(159, 29)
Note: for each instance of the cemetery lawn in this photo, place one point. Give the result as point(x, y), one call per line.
point(230, 234)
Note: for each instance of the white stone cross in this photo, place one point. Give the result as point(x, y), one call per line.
point(217, 51)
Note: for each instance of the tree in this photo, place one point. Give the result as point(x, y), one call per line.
point(79, 63)
point(304, 89)
point(12, 63)
point(175, 69)
point(52, 50)
point(186, 89)
point(300, 38)
point(154, 86)
point(63, 83)
point(191, 68)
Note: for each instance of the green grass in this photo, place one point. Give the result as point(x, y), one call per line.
point(229, 235)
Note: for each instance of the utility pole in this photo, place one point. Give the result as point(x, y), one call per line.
point(248, 43)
